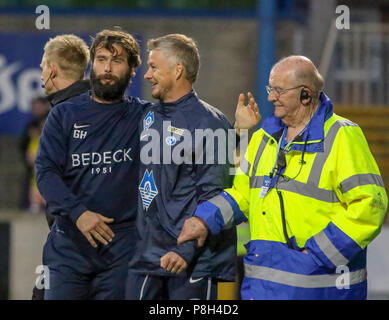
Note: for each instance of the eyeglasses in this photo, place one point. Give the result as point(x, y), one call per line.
point(279, 91)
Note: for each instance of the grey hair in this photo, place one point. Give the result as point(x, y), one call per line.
point(180, 48)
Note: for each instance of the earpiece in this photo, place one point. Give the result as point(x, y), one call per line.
point(305, 95)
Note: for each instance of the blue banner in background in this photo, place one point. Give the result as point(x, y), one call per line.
point(20, 77)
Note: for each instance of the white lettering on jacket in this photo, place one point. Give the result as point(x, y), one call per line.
point(96, 158)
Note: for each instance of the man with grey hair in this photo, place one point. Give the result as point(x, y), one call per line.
point(170, 191)
point(311, 191)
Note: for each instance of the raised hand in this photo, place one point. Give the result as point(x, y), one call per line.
point(246, 116)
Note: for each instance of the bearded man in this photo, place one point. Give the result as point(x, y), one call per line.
point(87, 167)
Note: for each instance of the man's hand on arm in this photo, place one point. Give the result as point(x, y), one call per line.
point(94, 227)
point(194, 229)
point(173, 263)
point(246, 116)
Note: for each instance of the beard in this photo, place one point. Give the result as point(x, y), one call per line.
point(109, 92)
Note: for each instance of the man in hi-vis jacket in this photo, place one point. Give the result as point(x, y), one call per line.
point(311, 191)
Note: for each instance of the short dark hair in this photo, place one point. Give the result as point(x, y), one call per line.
point(106, 39)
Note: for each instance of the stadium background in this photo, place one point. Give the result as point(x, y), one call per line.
point(238, 42)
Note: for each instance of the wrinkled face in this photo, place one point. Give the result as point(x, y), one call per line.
point(286, 105)
point(161, 74)
point(110, 74)
point(46, 77)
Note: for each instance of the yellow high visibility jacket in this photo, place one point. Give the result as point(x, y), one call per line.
point(329, 200)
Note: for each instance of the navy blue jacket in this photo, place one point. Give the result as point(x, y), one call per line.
point(170, 193)
point(88, 158)
point(75, 89)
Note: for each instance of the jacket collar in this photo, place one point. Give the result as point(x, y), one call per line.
point(314, 133)
point(73, 90)
point(167, 105)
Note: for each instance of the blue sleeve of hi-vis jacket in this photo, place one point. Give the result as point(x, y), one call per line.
point(50, 164)
point(220, 212)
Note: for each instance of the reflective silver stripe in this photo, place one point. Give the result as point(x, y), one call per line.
point(301, 280)
point(299, 188)
point(256, 182)
point(360, 180)
point(261, 147)
point(225, 209)
point(209, 286)
point(143, 287)
point(321, 157)
point(308, 190)
point(332, 253)
point(245, 166)
point(346, 123)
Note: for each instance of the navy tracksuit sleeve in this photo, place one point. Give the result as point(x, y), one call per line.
point(187, 250)
point(215, 176)
point(211, 179)
point(49, 166)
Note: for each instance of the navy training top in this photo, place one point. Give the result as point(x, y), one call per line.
point(175, 177)
point(88, 158)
